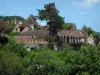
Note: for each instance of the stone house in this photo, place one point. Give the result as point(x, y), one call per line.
point(29, 24)
point(26, 25)
point(75, 37)
point(39, 37)
point(32, 39)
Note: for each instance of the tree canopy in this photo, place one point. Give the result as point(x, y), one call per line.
point(90, 31)
point(68, 26)
point(51, 14)
point(45, 61)
point(10, 18)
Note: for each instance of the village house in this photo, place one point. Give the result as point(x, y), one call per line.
point(32, 39)
point(38, 37)
point(29, 24)
point(73, 36)
point(33, 35)
point(25, 25)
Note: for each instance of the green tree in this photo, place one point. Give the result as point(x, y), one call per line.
point(54, 20)
point(91, 59)
point(90, 31)
point(66, 46)
point(18, 48)
point(51, 14)
point(10, 18)
point(87, 29)
point(10, 63)
point(68, 26)
point(3, 26)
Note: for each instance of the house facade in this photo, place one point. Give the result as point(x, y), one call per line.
point(28, 25)
point(37, 38)
point(32, 39)
point(25, 25)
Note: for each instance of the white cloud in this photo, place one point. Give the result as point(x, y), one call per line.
point(83, 13)
point(86, 3)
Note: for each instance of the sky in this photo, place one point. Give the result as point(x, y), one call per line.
point(79, 12)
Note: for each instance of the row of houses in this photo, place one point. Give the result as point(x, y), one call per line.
point(29, 24)
point(36, 38)
point(33, 35)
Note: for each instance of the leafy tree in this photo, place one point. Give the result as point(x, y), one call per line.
point(44, 62)
point(7, 23)
point(3, 25)
point(91, 59)
point(51, 14)
point(90, 31)
point(10, 63)
point(12, 46)
point(68, 26)
point(98, 47)
point(66, 46)
point(10, 27)
point(95, 35)
point(3, 40)
point(87, 29)
point(10, 18)
point(54, 20)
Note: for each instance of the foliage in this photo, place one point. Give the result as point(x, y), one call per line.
point(10, 18)
point(68, 26)
point(10, 63)
point(14, 33)
point(3, 26)
point(90, 31)
point(95, 35)
point(15, 60)
point(51, 14)
point(12, 46)
point(9, 28)
point(7, 23)
point(69, 62)
point(98, 47)
point(66, 46)
point(54, 20)
point(3, 40)
point(91, 59)
point(6, 27)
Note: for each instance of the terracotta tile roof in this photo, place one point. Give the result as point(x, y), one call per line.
point(29, 40)
point(27, 37)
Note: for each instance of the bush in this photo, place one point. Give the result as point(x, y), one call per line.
point(18, 48)
point(10, 63)
point(14, 33)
